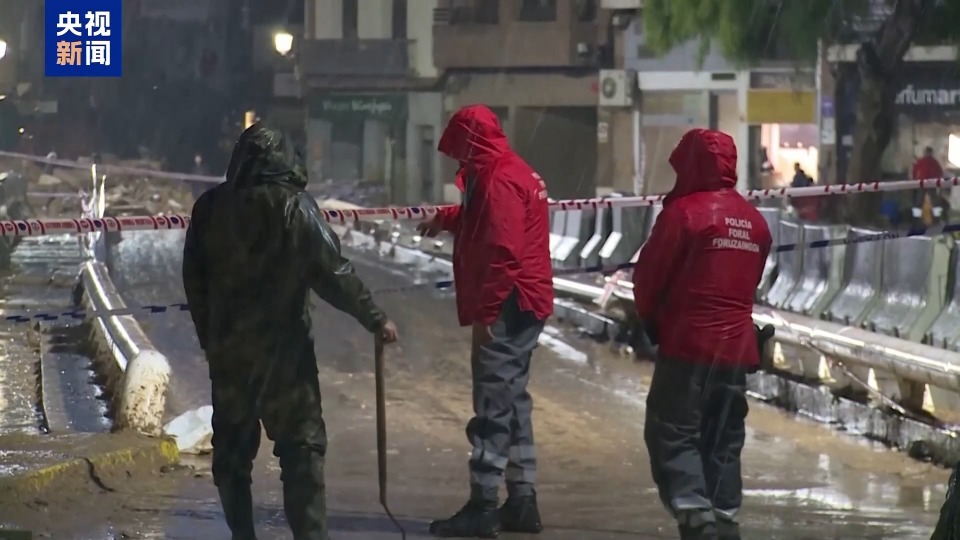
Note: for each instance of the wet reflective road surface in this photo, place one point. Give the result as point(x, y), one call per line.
point(802, 480)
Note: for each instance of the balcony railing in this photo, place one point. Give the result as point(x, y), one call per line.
point(484, 13)
point(355, 57)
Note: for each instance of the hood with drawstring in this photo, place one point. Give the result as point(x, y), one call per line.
point(263, 155)
point(475, 139)
point(502, 229)
point(697, 273)
point(704, 160)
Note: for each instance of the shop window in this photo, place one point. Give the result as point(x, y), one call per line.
point(586, 10)
point(474, 11)
point(350, 14)
point(953, 151)
point(399, 19)
point(537, 11)
point(427, 152)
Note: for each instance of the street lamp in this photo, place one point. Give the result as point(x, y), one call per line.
point(3, 49)
point(283, 42)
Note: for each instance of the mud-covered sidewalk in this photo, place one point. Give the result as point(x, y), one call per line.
point(55, 449)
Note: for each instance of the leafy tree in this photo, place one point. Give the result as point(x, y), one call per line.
point(748, 31)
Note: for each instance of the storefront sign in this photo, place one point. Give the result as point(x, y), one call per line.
point(382, 106)
point(781, 107)
point(928, 90)
point(783, 80)
point(828, 122)
point(923, 96)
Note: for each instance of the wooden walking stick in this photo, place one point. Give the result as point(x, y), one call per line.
point(382, 432)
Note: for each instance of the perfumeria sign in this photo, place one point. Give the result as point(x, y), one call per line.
point(940, 97)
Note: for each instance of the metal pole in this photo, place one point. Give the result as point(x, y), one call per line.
point(382, 431)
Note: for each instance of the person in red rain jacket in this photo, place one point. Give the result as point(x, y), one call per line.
point(504, 285)
point(927, 166)
point(694, 286)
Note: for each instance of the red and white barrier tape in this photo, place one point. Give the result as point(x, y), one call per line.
point(42, 227)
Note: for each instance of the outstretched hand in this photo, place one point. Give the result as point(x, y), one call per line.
point(430, 228)
point(389, 332)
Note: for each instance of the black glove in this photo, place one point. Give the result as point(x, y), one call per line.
point(764, 335)
point(645, 339)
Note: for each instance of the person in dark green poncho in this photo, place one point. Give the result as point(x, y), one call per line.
point(257, 244)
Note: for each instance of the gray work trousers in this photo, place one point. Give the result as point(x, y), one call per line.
point(501, 430)
point(695, 430)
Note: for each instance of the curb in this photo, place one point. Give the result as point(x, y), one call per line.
point(136, 375)
point(103, 469)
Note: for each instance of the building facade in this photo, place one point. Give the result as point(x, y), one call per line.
point(927, 111)
point(650, 100)
point(367, 85)
point(534, 62)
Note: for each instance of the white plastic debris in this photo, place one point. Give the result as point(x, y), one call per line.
point(193, 431)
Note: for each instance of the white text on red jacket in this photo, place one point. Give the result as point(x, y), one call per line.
point(542, 194)
point(738, 236)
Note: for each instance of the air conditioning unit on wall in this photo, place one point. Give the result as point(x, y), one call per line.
point(617, 87)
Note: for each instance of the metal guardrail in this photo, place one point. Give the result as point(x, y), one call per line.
point(913, 361)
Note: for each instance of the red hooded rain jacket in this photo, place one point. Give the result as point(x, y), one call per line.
point(696, 275)
point(502, 228)
point(927, 167)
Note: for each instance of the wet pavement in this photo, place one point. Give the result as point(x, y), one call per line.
point(43, 273)
point(802, 480)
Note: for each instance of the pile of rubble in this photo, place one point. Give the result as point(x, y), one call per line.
point(356, 192)
point(57, 191)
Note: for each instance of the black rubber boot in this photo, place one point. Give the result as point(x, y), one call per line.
point(237, 502)
point(728, 530)
point(521, 515)
point(477, 519)
point(707, 531)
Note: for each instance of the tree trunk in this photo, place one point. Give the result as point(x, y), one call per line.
point(878, 64)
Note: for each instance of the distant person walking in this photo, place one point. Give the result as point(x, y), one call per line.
point(800, 178)
point(927, 200)
point(927, 166)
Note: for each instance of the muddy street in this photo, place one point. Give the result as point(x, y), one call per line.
point(802, 480)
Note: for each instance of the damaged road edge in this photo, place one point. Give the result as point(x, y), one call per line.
point(105, 470)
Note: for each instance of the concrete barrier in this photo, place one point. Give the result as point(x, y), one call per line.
point(136, 374)
point(651, 219)
point(822, 274)
point(558, 225)
point(913, 286)
point(862, 281)
point(945, 331)
point(626, 236)
point(602, 225)
point(772, 217)
point(789, 266)
point(577, 232)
